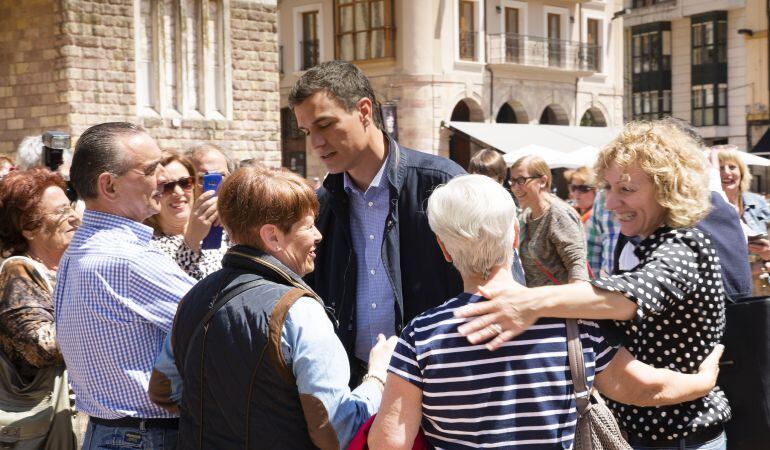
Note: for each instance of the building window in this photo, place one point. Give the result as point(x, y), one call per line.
point(709, 41)
point(709, 105)
point(593, 48)
point(651, 51)
point(651, 71)
point(467, 27)
point(310, 41)
point(709, 69)
point(172, 79)
point(643, 3)
point(364, 29)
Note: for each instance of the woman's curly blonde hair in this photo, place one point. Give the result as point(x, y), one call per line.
point(672, 159)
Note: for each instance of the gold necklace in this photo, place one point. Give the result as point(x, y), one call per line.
point(35, 258)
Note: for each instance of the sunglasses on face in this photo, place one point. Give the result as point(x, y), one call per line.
point(184, 183)
point(521, 181)
point(584, 188)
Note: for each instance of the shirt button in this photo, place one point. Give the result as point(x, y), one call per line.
point(374, 305)
point(371, 271)
point(371, 203)
point(371, 237)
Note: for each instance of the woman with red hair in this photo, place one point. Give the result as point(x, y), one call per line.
point(37, 223)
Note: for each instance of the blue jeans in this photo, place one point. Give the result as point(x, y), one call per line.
point(718, 443)
point(104, 437)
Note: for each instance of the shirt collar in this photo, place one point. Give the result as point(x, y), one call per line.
point(103, 220)
point(348, 183)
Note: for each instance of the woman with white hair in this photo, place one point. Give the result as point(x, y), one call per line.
point(464, 396)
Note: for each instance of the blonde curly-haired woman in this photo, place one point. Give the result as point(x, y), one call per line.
point(668, 309)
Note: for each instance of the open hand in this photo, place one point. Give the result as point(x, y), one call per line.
point(508, 313)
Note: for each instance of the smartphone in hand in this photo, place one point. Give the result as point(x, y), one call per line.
point(211, 182)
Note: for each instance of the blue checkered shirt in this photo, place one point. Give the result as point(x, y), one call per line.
point(375, 299)
point(601, 236)
point(115, 301)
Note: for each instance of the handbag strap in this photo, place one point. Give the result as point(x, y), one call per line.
point(218, 304)
point(580, 386)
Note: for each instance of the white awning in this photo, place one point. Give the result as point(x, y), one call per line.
point(559, 146)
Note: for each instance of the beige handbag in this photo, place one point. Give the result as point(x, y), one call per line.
point(596, 426)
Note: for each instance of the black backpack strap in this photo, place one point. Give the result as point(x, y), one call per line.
point(216, 306)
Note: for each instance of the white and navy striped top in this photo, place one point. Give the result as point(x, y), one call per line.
point(518, 395)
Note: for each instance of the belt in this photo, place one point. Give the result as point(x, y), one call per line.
point(137, 422)
point(693, 438)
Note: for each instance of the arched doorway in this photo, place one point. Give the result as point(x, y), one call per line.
point(460, 146)
point(593, 117)
point(512, 112)
point(554, 114)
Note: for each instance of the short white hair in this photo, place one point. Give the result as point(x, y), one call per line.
point(30, 153)
point(475, 219)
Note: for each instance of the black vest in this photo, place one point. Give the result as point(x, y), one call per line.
point(238, 391)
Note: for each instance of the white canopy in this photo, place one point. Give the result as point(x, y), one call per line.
point(559, 146)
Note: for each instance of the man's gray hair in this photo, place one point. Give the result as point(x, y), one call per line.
point(475, 219)
point(98, 151)
point(197, 152)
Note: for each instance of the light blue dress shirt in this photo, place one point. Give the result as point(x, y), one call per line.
point(114, 302)
point(319, 364)
point(375, 299)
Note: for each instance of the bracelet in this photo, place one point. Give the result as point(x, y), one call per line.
point(376, 378)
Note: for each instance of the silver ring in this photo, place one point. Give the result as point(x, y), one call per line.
point(496, 328)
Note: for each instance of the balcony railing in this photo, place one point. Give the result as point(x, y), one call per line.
point(309, 53)
point(468, 45)
point(508, 48)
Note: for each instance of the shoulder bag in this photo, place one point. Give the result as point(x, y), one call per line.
point(596, 426)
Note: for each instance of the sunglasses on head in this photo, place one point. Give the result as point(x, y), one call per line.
point(184, 183)
point(584, 188)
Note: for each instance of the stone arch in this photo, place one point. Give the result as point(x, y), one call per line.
point(460, 146)
point(554, 114)
point(512, 112)
point(593, 117)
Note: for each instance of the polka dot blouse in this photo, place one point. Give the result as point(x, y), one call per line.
point(680, 301)
point(197, 264)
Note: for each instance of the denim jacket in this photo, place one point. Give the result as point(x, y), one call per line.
point(756, 212)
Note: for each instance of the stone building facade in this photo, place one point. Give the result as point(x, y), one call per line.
point(189, 71)
point(435, 61)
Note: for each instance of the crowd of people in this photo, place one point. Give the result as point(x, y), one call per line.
point(401, 304)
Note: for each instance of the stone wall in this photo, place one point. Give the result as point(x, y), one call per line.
point(32, 80)
point(89, 75)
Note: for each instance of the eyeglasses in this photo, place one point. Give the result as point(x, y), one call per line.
point(63, 213)
point(584, 188)
point(521, 181)
point(184, 183)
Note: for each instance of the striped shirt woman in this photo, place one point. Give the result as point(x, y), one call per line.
point(518, 395)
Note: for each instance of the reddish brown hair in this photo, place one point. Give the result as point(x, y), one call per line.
point(256, 196)
point(20, 195)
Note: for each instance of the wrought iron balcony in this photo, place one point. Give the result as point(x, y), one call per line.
point(509, 48)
